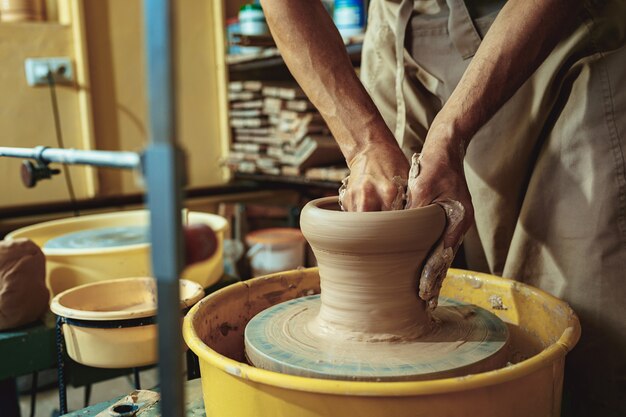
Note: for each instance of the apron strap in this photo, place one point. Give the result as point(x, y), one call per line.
point(463, 34)
point(462, 31)
point(404, 15)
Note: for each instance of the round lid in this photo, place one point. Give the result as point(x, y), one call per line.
point(275, 236)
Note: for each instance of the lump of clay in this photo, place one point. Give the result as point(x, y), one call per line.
point(23, 293)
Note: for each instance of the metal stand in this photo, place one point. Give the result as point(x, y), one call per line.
point(9, 399)
point(33, 393)
point(87, 395)
point(163, 166)
point(60, 342)
point(103, 159)
point(61, 366)
point(137, 379)
point(193, 366)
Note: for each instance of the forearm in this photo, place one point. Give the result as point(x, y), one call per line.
point(317, 58)
point(519, 40)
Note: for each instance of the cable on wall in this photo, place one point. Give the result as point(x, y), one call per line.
point(59, 137)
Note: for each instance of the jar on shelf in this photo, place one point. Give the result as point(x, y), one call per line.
point(252, 23)
point(349, 17)
point(232, 32)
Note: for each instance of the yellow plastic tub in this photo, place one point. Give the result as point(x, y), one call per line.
point(543, 329)
point(121, 304)
point(68, 268)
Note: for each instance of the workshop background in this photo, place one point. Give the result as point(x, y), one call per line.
point(100, 104)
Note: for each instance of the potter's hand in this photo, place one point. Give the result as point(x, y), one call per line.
point(377, 179)
point(437, 177)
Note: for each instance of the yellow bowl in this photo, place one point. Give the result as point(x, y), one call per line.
point(121, 301)
point(68, 268)
point(542, 328)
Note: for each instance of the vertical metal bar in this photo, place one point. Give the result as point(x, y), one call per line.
point(137, 378)
point(159, 67)
point(164, 180)
point(60, 342)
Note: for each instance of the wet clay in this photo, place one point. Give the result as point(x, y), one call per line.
point(369, 322)
point(462, 339)
point(370, 264)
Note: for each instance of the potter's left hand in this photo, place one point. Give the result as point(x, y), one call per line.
point(437, 177)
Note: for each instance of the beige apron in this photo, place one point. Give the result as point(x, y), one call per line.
point(547, 174)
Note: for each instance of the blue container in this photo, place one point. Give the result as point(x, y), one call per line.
point(232, 30)
point(349, 16)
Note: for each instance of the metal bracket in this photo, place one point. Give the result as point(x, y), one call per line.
point(31, 173)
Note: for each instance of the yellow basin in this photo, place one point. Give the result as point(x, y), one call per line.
point(542, 330)
point(115, 301)
point(67, 268)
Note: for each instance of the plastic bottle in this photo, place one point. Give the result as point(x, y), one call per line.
point(252, 22)
point(349, 16)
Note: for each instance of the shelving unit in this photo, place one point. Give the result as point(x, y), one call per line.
point(286, 182)
point(272, 68)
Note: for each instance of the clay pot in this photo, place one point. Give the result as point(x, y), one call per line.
point(369, 267)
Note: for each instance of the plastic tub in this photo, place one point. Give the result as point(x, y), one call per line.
point(128, 305)
point(542, 328)
point(274, 250)
point(68, 268)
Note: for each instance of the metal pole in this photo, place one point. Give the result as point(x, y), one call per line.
point(164, 179)
point(107, 159)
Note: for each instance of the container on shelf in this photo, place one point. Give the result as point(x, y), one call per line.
point(252, 22)
point(349, 17)
point(275, 250)
point(232, 30)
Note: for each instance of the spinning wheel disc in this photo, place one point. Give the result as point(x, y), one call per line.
point(465, 339)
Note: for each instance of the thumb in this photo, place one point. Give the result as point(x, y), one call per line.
point(439, 261)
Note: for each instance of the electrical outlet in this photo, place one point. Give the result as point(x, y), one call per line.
point(37, 70)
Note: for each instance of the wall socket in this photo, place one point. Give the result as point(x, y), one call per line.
point(37, 70)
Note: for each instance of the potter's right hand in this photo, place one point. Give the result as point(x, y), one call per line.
point(437, 177)
point(378, 178)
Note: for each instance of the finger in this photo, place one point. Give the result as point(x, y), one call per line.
point(200, 243)
point(398, 195)
point(434, 272)
point(360, 199)
point(365, 195)
point(457, 222)
point(438, 263)
point(352, 200)
point(414, 172)
point(342, 193)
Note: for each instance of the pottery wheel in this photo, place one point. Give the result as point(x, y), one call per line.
point(105, 237)
point(465, 339)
